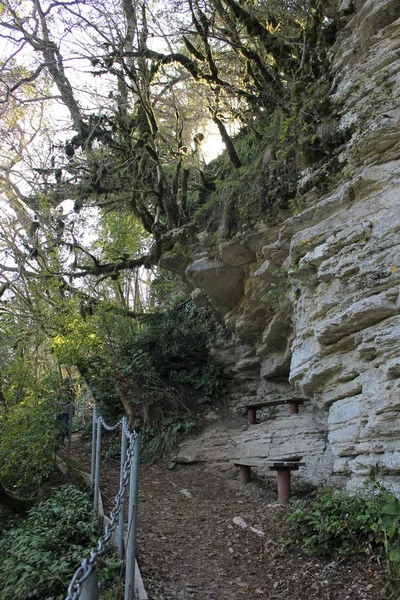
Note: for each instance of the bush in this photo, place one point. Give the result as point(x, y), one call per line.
point(158, 440)
point(27, 444)
point(166, 367)
point(39, 555)
point(335, 523)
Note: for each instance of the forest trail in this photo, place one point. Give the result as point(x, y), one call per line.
point(202, 536)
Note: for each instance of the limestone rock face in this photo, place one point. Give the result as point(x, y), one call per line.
point(286, 436)
point(313, 302)
point(221, 282)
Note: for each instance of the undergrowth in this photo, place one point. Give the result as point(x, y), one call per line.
point(41, 552)
point(28, 435)
point(163, 438)
point(165, 373)
point(337, 524)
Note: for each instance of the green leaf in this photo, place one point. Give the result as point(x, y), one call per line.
point(394, 554)
point(391, 509)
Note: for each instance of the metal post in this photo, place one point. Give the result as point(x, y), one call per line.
point(90, 587)
point(284, 484)
point(132, 522)
point(252, 416)
point(93, 446)
point(97, 470)
point(245, 474)
point(124, 443)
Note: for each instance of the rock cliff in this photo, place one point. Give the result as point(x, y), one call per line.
point(312, 300)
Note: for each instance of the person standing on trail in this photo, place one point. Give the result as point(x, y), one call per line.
point(66, 406)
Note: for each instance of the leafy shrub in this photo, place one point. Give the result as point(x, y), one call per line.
point(206, 379)
point(387, 533)
point(168, 361)
point(27, 443)
point(40, 555)
point(160, 439)
point(335, 523)
point(174, 340)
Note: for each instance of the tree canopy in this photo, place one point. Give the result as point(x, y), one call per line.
point(108, 106)
point(104, 112)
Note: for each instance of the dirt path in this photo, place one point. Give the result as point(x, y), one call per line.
point(202, 536)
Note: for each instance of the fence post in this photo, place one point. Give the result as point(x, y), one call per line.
point(92, 472)
point(124, 444)
point(132, 521)
point(97, 470)
point(90, 587)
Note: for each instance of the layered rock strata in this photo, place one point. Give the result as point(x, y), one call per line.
point(313, 302)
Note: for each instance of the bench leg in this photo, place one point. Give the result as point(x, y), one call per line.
point(284, 485)
point(294, 408)
point(251, 416)
point(245, 474)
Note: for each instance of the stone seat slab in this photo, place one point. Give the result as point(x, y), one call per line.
point(278, 463)
point(248, 463)
point(280, 402)
point(284, 464)
point(294, 404)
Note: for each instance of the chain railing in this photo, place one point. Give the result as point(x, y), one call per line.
point(111, 427)
point(84, 583)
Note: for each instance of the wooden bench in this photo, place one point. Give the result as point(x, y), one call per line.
point(283, 468)
point(293, 407)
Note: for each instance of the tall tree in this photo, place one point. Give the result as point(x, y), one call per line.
point(242, 57)
point(123, 81)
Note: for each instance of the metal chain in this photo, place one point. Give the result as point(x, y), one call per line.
point(88, 564)
point(129, 434)
point(110, 427)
